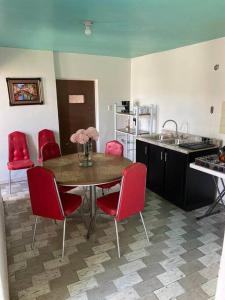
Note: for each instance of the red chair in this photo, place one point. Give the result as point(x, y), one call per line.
point(47, 202)
point(130, 200)
point(19, 157)
point(112, 148)
point(49, 151)
point(44, 136)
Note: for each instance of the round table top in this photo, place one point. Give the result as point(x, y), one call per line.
point(105, 168)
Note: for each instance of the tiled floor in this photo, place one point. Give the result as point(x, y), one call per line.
point(180, 263)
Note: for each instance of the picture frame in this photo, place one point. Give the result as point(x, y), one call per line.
point(25, 91)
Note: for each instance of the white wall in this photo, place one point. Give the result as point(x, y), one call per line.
point(112, 76)
point(32, 118)
point(113, 80)
point(183, 83)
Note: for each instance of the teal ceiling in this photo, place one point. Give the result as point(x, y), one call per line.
point(124, 28)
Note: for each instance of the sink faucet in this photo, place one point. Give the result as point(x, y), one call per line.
point(174, 123)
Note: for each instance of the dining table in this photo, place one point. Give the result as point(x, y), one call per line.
point(105, 169)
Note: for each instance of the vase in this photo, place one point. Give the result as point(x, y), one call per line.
point(85, 156)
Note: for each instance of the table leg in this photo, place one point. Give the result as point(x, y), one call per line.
point(219, 199)
point(93, 210)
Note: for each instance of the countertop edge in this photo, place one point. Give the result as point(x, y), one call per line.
point(172, 146)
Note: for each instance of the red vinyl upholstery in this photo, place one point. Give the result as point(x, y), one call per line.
point(50, 150)
point(130, 200)
point(44, 136)
point(109, 203)
point(45, 199)
point(19, 157)
point(112, 148)
point(132, 194)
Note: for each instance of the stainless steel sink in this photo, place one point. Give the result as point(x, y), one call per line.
point(159, 137)
point(166, 139)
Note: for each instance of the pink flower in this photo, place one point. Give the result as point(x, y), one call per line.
point(92, 133)
point(82, 136)
point(80, 131)
point(73, 138)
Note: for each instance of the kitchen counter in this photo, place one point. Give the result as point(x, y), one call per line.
point(169, 173)
point(175, 147)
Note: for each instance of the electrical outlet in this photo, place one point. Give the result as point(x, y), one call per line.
point(109, 107)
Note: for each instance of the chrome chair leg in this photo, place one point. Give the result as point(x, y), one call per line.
point(64, 235)
point(142, 220)
point(117, 238)
point(10, 191)
point(35, 227)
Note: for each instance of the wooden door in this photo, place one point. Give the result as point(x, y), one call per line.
point(74, 116)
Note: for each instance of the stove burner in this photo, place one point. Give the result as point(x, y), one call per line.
point(212, 162)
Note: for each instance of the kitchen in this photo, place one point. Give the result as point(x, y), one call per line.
point(185, 81)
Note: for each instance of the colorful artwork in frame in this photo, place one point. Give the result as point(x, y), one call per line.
point(24, 91)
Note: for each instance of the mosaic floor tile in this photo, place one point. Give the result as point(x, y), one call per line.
point(170, 276)
point(127, 280)
point(170, 292)
point(181, 262)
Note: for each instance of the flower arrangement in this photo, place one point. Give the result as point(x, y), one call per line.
point(85, 138)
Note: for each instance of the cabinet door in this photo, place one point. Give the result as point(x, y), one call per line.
point(156, 169)
point(175, 174)
point(142, 156)
point(142, 152)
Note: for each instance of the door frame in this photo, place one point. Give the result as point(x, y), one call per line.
point(96, 102)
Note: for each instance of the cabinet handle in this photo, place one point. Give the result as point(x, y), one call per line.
point(161, 155)
point(165, 156)
point(146, 150)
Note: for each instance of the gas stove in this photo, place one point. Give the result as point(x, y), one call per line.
point(211, 162)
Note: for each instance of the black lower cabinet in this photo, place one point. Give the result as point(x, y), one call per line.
point(156, 169)
point(170, 176)
point(142, 153)
point(174, 176)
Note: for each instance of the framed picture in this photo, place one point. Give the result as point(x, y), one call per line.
point(24, 91)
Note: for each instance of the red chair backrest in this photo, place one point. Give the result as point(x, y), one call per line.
point(114, 148)
point(45, 201)
point(50, 150)
point(44, 136)
point(132, 193)
point(18, 149)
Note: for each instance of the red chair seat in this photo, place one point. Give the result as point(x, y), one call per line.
point(109, 203)
point(109, 185)
point(70, 203)
point(64, 189)
point(20, 164)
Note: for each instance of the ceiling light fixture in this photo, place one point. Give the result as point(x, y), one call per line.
point(87, 25)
